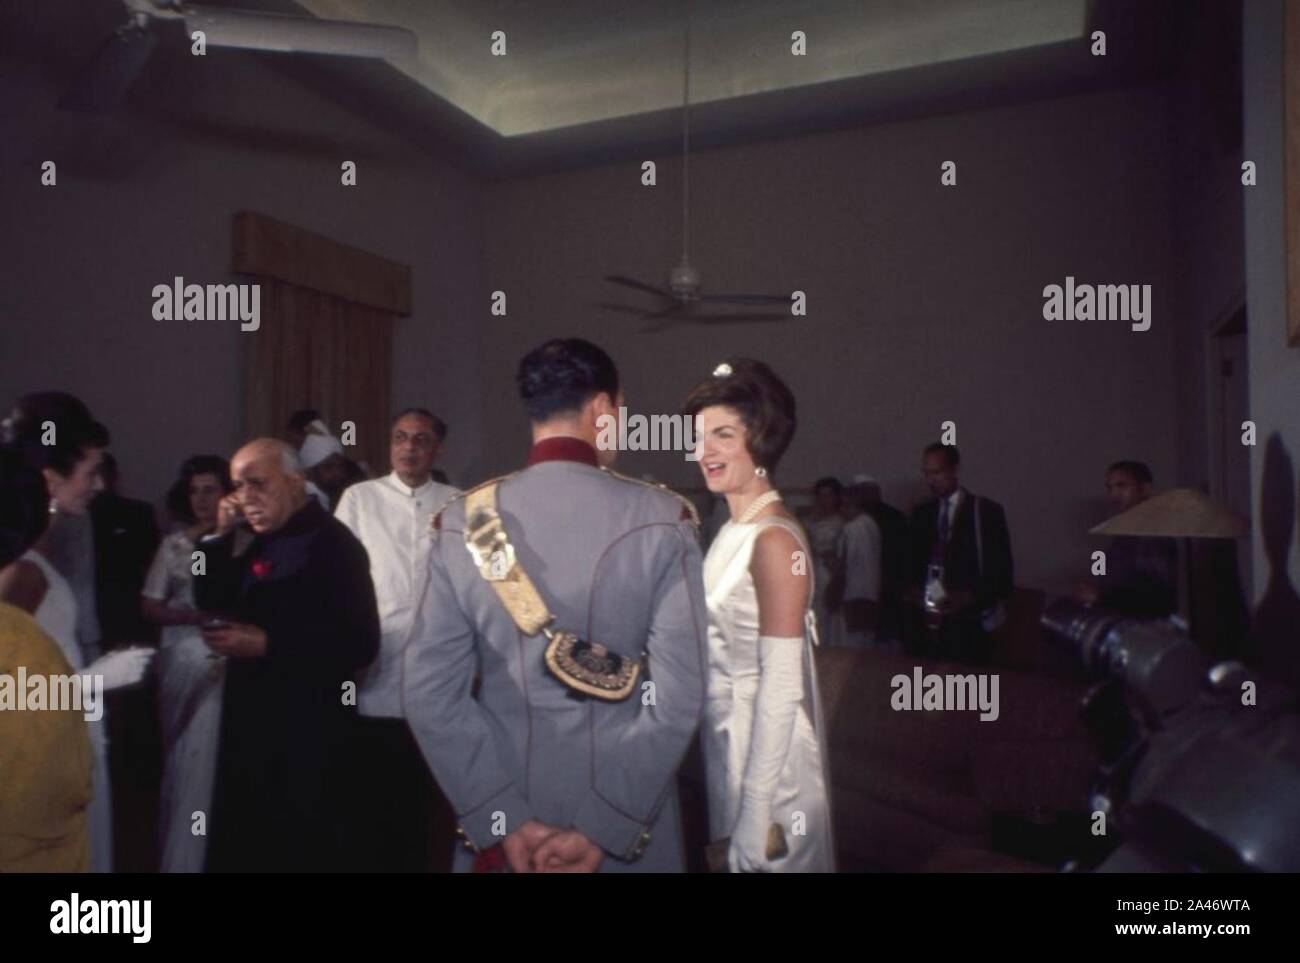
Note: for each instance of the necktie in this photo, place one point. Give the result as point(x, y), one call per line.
point(941, 543)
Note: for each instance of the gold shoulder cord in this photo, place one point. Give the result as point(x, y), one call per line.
point(486, 539)
point(586, 667)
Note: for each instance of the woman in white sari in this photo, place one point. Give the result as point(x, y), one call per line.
point(763, 736)
point(189, 679)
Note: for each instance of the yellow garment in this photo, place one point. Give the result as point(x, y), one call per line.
point(45, 761)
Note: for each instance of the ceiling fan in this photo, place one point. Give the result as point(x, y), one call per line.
point(682, 298)
point(104, 81)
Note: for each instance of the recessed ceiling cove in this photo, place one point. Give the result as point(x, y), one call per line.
point(581, 61)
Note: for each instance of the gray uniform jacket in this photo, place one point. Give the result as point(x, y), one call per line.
point(617, 561)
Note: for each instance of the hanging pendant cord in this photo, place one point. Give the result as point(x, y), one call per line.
point(686, 137)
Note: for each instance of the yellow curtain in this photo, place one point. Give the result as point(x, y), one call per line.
point(315, 350)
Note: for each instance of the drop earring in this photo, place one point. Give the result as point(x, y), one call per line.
point(760, 471)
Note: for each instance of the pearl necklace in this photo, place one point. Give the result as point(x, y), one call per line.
point(757, 505)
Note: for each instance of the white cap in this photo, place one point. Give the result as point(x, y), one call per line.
point(316, 448)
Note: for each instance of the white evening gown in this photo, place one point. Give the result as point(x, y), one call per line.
point(57, 615)
point(733, 678)
point(189, 704)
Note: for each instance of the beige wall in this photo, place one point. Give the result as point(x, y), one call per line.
point(139, 202)
point(925, 303)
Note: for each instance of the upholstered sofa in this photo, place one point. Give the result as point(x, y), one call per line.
point(942, 790)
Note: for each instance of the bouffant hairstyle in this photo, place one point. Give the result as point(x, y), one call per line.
point(75, 431)
point(178, 496)
point(24, 496)
point(23, 501)
point(561, 375)
point(763, 401)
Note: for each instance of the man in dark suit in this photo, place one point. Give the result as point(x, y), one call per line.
point(1141, 579)
point(961, 571)
point(126, 537)
point(299, 620)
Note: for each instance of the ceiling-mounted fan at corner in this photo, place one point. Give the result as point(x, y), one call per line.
point(104, 81)
point(681, 300)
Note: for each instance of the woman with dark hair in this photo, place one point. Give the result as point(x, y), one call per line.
point(45, 757)
point(763, 733)
point(53, 432)
point(189, 682)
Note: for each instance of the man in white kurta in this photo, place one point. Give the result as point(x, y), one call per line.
point(390, 516)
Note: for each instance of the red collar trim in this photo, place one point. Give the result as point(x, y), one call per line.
point(562, 448)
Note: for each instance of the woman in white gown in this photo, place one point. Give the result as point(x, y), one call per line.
point(71, 470)
point(190, 681)
point(763, 736)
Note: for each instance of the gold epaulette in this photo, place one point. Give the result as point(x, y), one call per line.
point(435, 520)
point(689, 512)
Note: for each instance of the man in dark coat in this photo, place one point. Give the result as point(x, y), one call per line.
point(965, 538)
point(126, 537)
point(1141, 579)
point(300, 623)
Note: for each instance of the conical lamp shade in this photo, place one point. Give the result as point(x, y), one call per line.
point(1179, 513)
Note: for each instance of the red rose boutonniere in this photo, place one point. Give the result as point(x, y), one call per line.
point(261, 568)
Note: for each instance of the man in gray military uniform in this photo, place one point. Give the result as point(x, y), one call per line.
point(567, 759)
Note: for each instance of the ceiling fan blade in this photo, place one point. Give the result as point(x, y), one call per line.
point(621, 308)
point(638, 285)
point(737, 318)
point(104, 80)
point(672, 309)
point(746, 298)
point(663, 324)
point(253, 30)
point(642, 314)
point(711, 319)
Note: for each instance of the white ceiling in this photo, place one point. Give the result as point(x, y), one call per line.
point(572, 62)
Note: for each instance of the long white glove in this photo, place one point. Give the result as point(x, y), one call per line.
point(122, 667)
point(780, 690)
